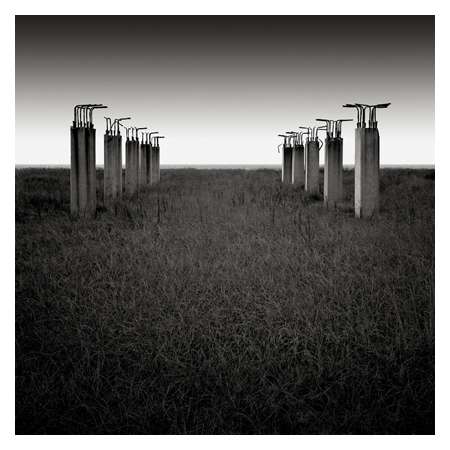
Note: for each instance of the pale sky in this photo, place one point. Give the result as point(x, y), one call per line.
point(221, 88)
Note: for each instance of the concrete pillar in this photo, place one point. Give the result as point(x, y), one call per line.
point(154, 165)
point(74, 170)
point(148, 160)
point(118, 165)
point(312, 167)
point(286, 166)
point(131, 167)
point(298, 165)
point(83, 178)
point(367, 172)
point(83, 174)
point(83, 171)
point(113, 169)
point(157, 162)
point(109, 187)
point(136, 164)
point(142, 164)
point(333, 173)
point(91, 172)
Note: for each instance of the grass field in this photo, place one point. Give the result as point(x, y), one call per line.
point(223, 302)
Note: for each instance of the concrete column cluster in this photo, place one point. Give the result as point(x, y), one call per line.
point(312, 166)
point(83, 177)
point(298, 164)
point(300, 160)
point(113, 162)
point(155, 173)
point(367, 159)
point(141, 161)
point(132, 153)
point(333, 181)
point(286, 165)
point(333, 172)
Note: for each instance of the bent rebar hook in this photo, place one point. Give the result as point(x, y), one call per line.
point(309, 132)
point(75, 115)
point(119, 124)
point(108, 124)
point(84, 112)
point(301, 137)
point(284, 138)
point(334, 127)
point(127, 130)
point(81, 113)
point(297, 139)
point(285, 141)
point(373, 113)
point(157, 138)
point(292, 137)
point(150, 136)
point(315, 132)
point(77, 112)
point(316, 138)
point(330, 126)
point(90, 110)
point(338, 124)
point(136, 131)
point(361, 109)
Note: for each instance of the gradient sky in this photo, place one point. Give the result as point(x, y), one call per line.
point(221, 88)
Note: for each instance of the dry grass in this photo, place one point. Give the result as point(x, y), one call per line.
point(224, 302)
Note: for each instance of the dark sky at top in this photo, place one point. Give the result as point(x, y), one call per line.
point(221, 88)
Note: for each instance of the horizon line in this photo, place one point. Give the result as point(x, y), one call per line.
point(213, 165)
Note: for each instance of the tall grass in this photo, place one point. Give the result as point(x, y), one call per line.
point(223, 302)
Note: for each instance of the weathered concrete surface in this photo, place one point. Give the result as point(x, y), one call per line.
point(142, 164)
point(157, 160)
point(74, 170)
point(82, 172)
point(148, 168)
point(118, 165)
point(312, 167)
point(333, 173)
point(110, 161)
point(113, 169)
point(83, 181)
point(298, 165)
point(286, 166)
point(153, 164)
point(367, 172)
point(131, 167)
point(91, 173)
